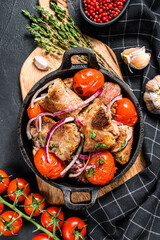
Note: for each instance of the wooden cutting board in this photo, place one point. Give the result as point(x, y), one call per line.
point(29, 75)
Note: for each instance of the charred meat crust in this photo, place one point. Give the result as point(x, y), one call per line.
point(101, 119)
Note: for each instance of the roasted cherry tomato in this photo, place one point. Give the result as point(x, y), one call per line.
point(51, 169)
point(58, 218)
point(42, 236)
point(74, 227)
point(37, 109)
point(17, 191)
point(15, 227)
point(1, 207)
point(4, 181)
point(87, 81)
point(126, 112)
point(101, 168)
point(34, 204)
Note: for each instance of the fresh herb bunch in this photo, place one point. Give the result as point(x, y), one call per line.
point(57, 33)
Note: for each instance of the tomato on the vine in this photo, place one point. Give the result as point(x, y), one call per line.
point(52, 214)
point(101, 168)
point(1, 207)
point(126, 112)
point(34, 204)
point(87, 81)
point(37, 109)
point(51, 169)
point(4, 181)
point(18, 189)
point(13, 228)
point(42, 236)
point(74, 227)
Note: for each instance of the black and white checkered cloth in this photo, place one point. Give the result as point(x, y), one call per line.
point(132, 211)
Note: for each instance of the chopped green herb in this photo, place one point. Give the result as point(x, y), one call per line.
point(122, 146)
point(53, 146)
point(120, 158)
point(32, 136)
point(90, 102)
point(41, 163)
point(103, 85)
point(97, 123)
point(38, 104)
point(47, 97)
point(61, 153)
point(92, 135)
point(46, 177)
point(90, 109)
point(101, 161)
point(107, 118)
point(100, 145)
point(74, 131)
point(90, 172)
point(43, 139)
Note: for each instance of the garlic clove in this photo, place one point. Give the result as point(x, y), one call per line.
point(140, 61)
point(136, 58)
point(152, 95)
point(41, 63)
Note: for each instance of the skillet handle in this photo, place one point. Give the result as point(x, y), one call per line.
point(79, 206)
point(66, 61)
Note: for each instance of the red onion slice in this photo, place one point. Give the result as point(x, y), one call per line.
point(50, 133)
point(39, 98)
point(40, 90)
point(81, 104)
point(37, 124)
point(126, 142)
point(79, 122)
point(75, 157)
point(83, 157)
point(71, 175)
point(112, 101)
point(28, 127)
point(40, 124)
point(118, 123)
point(91, 166)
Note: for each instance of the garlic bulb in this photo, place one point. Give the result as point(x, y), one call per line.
point(152, 95)
point(136, 58)
point(41, 63)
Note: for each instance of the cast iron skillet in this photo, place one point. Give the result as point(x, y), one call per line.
point(68, 186)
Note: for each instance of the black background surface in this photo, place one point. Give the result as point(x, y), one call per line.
point(15, 46)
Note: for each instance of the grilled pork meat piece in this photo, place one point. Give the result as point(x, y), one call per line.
point(99, 130)
point(68, 82)
point(122, 156)
point(110, 91)
point(35, 139)
point(59, 98)
point(64, 140)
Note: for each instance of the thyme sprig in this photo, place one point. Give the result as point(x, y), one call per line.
point(57, 32)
